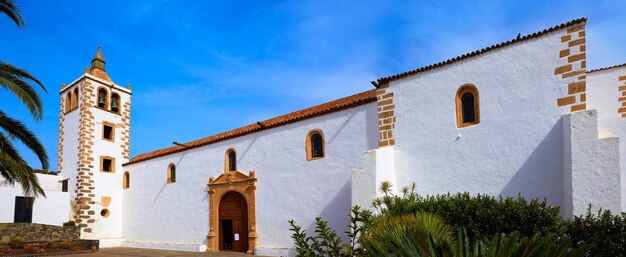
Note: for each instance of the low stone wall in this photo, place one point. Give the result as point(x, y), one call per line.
point(37, 232)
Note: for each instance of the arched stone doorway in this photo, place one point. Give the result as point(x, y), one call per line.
point(233, 219)
point(238, 193)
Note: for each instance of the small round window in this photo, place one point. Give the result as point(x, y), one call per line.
point(104, 213)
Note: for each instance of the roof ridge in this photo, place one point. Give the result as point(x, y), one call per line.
point(307, 113)
point(480, 51)
point(608, 68)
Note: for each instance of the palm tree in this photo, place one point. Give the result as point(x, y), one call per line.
point(13, 168)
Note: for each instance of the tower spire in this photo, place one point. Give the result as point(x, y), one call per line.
point(98, 60)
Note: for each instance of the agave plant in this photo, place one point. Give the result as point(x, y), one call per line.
point(13, 168)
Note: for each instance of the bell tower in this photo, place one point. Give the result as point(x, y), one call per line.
point(94, 142)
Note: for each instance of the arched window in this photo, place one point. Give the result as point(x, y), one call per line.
point(75, 98)
point(171, 174)
point(68, 102)
point(230, 157)
point(115, 103)
point(102, 98)
point(126, 182)
point(315, 145)
point(467, 106)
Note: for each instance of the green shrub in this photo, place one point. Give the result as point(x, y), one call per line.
point(604, 233)
point(65, 244)
point(482, 215)
point(325, 241)
point(402, 235)
point(17, 243)
point(50, 244)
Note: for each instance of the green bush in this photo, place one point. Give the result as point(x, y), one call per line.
point(482, 215)
point(604, 233)
point(325, 241)
point(50, 244)
point(65, 244)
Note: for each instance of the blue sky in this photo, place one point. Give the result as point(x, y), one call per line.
point(202, 67)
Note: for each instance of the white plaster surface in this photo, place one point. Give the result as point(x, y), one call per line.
point(51, 210)
point(378, 166)
point(602, 95)
point(516, 147)
point(523, 144)
point(288, 187)
point(594, 168)
point(107, 229)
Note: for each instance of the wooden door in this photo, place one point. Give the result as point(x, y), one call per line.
point(233, 217)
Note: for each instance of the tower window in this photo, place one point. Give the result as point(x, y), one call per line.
point(108, 132)
point(23, 209)
point(68, 102)
point(115, 103)
point(171, 174)
point(126, 180)
point(315, 145)
point(102, 98)
point(107, 164)
point(231, 160)
point(75, 98)
point(467, 106)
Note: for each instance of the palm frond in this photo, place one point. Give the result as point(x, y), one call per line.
point(11, 9)
point(20, 73)
point(18, 171)
point(24, 93)
point(16, 129)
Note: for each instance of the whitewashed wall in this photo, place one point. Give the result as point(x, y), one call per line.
point(51, 210)
point(592, 166)
point(602, 95)
point(175, 216)
point(518, 145)
point(70, 138)
point(108, 229)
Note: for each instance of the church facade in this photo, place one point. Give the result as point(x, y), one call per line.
point(523, 116)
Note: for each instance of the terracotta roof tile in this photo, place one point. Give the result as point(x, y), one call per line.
point(481, 51)
point(608, 68)
point(315, 111)
point(100, 74)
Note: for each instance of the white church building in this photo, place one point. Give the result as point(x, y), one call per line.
point(523, 116)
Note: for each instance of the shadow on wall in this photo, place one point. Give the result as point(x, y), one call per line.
point(337, 213)
point(541, 175)
point(164, 174)
point(343, 126)
point(371, 116)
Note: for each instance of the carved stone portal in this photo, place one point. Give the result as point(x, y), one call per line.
point(228, 182)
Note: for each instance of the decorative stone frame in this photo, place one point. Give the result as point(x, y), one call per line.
point(109, 124)
point(227, 160)
point(228, 182)
point(307, 145)
point(169, 173)
point(126, 180)
point(119, 102)
point(467, 88)
point(68, 102)
point(75, 103)
point(106, 99)
point(102, 164)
